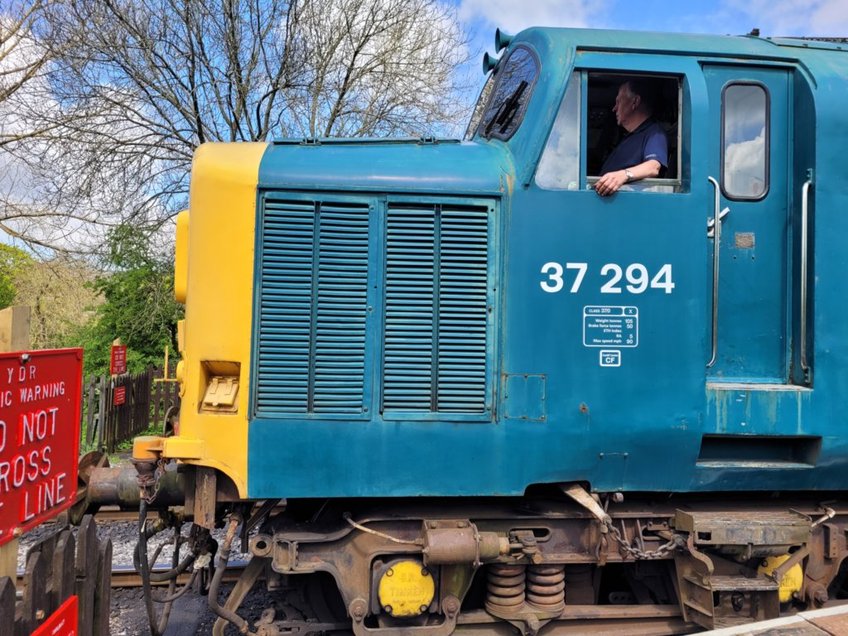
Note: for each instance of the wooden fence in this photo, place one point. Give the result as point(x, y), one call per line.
point(142, 403)
point(57, 568)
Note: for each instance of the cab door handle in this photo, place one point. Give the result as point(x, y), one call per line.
point(711, 223)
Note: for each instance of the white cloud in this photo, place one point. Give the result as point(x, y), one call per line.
point(772, 17)
point(744, 168)
point(512, 16)
point(790, 17)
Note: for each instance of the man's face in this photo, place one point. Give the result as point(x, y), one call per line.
point(624, 103)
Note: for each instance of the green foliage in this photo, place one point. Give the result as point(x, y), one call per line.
point(138, 304)
point(12, 261)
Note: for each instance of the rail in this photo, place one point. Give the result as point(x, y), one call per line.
point(127, 576)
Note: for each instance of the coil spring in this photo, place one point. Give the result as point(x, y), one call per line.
point(546, 586)
point(505, 587)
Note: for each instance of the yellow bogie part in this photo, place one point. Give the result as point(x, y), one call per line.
point(792, 581)
point(406, 589)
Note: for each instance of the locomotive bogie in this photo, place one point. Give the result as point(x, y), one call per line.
point(536, 561)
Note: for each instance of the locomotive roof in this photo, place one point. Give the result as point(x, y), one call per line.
point(820, 57)
point(750, 45)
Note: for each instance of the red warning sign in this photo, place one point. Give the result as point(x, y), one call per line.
point(62, 622)
point(118, 360)
point(119, 396)
point(39, 436)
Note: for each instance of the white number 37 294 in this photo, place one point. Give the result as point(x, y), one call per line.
point(635, 277)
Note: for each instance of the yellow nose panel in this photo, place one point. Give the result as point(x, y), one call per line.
point(406, 589)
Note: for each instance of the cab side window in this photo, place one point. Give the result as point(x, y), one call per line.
point(586, 132)
point(603, 134)
point(744, 143)
point(559, 168)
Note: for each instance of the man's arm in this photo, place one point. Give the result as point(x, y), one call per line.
point(611, 182)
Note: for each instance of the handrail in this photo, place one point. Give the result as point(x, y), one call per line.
point(805, 209)
point(716, 258)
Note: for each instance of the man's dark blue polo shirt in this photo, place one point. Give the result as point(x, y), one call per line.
point(648, 141)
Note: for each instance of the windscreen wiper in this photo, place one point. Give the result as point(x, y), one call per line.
point(507, 111)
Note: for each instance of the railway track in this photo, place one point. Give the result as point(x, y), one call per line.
point(112, 514)
point(108, 515)
point(120, 516)
point(127, 576)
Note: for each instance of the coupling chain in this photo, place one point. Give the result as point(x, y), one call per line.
point(150, 483)
point(675, 542)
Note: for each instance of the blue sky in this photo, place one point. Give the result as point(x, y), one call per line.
point(772, 17)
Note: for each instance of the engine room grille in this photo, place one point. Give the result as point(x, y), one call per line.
point(368, 307)
point(436, 309)
point(313, 307)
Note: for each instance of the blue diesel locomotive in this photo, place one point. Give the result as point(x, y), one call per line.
point(443, 385)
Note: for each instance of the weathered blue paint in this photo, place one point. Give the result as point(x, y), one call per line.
point(413, 167)
point(555, 413)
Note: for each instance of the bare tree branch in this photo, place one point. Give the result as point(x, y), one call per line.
point(109, 111)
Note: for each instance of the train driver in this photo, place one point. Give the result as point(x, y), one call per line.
point(643, 153)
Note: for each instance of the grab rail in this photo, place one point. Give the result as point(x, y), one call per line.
point(805, 210)
point(716, 236)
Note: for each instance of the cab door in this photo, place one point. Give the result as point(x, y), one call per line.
point(749, 172)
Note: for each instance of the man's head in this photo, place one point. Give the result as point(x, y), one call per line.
point(633, 104)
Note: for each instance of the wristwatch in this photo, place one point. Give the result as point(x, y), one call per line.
point(628, 174)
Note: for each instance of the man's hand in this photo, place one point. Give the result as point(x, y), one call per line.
point(610, 183)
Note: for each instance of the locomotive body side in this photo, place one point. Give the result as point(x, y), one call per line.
point(587, 327)
point(453, 359)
